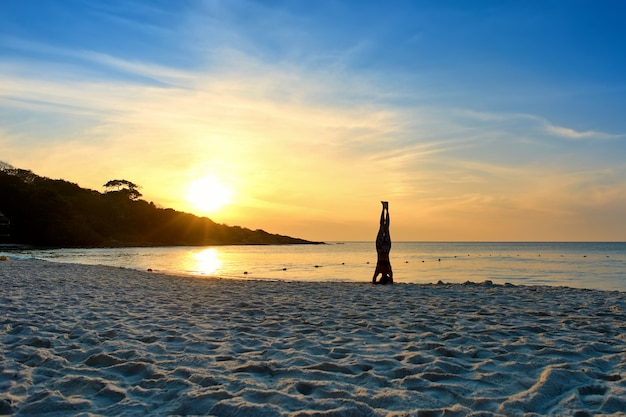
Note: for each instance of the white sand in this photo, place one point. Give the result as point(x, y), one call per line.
point(97, 340)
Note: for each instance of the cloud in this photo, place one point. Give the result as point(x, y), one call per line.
point(534, 121)
point(570, 133)
point(265, 123)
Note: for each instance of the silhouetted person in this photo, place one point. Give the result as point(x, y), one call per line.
point(383, 247)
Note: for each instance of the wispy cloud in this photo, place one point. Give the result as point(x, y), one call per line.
point(533, 122)
point(569, 133)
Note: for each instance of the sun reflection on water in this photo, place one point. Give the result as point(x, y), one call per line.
point(206, 262)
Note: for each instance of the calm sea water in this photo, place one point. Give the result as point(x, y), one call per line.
point(583, 265)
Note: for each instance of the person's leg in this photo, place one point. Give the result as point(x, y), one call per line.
point(383, 246)
point(387, 218)
point(387, 235)
point(382, 231)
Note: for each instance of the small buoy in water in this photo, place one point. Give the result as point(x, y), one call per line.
point(284, 269)
point(439, 259)
point(317, 266)
point(149, 269)
point(406, 262)
point(245, 272)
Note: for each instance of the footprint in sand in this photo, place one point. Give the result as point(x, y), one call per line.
point(305, 388)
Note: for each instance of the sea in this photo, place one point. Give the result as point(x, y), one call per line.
point(592, 265)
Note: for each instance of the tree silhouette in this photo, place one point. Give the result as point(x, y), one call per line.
point(123, 187)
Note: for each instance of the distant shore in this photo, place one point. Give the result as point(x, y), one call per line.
point(109, 341)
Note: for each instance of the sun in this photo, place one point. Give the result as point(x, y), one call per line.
point(207, 194)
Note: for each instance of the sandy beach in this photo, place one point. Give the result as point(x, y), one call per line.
point(94, 340)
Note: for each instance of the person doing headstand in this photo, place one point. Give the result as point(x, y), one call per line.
point(383, 247)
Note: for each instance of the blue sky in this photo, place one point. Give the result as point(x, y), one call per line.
point(476, 120)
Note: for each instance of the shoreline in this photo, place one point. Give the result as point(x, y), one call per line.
point(585, 267)
point(245, 277)
point(109, 341)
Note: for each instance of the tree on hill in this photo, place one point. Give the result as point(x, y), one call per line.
point(123, 187)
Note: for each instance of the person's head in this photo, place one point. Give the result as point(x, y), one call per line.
point(386, 279)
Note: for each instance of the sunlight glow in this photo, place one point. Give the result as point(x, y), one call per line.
point(207, 194)
point(207, 262)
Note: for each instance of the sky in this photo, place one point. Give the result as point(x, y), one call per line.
point(476, 120)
